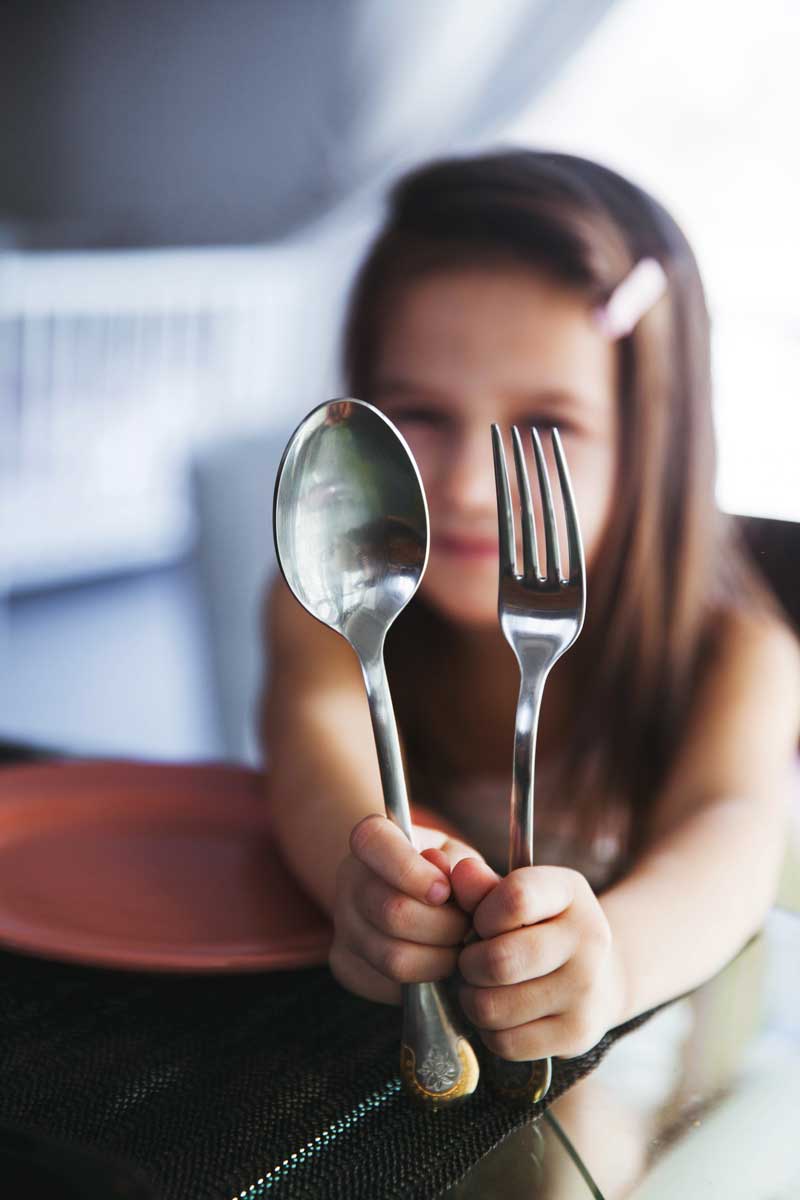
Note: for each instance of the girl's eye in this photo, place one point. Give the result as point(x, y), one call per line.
point(412, 415)
point(545, 424)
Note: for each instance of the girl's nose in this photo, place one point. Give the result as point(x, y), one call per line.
point(468, 483)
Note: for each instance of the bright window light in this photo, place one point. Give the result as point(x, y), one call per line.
point(699, 103)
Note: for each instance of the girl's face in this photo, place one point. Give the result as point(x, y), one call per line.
point(468, 347)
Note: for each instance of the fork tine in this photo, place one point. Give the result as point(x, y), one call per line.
point(574, 542)
point(553, 573)
point(530, 555)
point(505, 517)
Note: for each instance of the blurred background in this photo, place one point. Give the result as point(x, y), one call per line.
point(185, 191)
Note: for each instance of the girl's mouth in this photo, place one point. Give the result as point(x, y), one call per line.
point(457, 546)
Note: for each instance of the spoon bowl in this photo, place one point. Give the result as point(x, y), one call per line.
point(351, 521)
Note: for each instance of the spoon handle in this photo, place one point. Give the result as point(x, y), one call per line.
point(437, 1063)
point(387, 743)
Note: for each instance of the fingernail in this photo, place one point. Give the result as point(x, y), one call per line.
point(438, 892)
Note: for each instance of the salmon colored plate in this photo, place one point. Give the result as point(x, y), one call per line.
point(149, 867)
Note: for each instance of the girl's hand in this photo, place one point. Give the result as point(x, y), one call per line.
point(392, 921)
point(545, 980)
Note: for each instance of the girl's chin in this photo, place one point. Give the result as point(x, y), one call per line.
point(473, 608)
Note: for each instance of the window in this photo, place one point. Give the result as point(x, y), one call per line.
point(699, 103)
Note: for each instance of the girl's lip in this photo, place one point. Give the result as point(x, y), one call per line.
point(466, 547)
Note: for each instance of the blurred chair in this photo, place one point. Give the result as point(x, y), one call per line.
point(232, 486)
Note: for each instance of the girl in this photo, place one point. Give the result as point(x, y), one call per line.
point(511, 288)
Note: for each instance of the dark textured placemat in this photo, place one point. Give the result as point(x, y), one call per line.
point(211, 1084)
point(215, 1087)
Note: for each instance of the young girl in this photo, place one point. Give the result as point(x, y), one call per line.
point(510, 289)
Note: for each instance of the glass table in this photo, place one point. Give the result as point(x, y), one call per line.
point(701, 1101)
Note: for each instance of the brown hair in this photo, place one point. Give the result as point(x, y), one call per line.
point(668, 559)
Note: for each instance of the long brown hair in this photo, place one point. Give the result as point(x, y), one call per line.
point(668, 559)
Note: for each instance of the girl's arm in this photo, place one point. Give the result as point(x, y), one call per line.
point(557, 966)
point(711, 868)
point(388, 901)
point(323, 773)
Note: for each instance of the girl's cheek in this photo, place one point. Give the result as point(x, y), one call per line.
point(593, 483)
point(425, 445)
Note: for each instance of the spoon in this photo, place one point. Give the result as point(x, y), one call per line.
point(350, 520)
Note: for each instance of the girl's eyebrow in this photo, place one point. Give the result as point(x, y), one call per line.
point(397, 386)
point(558, 398)
point(561, 399)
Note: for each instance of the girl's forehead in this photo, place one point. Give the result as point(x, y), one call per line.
point(504, 330)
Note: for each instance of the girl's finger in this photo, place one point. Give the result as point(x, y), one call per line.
point(526, 896)
point(380, 845)
point(456, 851)
point(393, 913)
point(440, 848)
point(396, 959)
point(438, 858)
point(525, 1043)
point(518, 956)
point(472, 880)
point(495, 1008)
point(359, 977)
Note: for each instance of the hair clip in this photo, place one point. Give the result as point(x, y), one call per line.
point(640, 289)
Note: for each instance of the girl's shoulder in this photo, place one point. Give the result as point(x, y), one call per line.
point(750, 649)
point(744, 718)
point(750, 682)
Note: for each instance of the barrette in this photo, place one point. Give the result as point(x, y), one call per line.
point(641, 288)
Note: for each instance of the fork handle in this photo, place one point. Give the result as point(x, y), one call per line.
point(523, 1081)
point(437, 1062)
point(531, 688)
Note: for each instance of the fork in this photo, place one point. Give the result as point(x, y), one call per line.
point(541, 615)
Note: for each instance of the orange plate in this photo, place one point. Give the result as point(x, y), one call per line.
point(149, 867)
